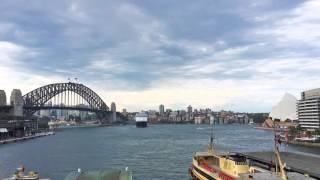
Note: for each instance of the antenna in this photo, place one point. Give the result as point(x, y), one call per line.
point(210, 146)
point(275, 144)
point(278, 159)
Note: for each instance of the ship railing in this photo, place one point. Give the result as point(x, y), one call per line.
point(241, 163)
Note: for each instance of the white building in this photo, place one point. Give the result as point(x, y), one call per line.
point(309, 109)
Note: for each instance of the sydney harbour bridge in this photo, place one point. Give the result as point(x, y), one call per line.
point(63, 96)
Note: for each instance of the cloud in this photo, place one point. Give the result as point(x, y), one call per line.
point(12, 76)
point(298, 27)
point(221, 54)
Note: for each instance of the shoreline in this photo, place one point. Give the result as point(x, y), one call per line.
point(12, 140)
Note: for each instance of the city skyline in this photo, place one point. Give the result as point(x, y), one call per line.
point(220, 55)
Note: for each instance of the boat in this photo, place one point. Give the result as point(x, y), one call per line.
point(100, 175)
point(211, 165)
point(141, 119)
point(20, 175)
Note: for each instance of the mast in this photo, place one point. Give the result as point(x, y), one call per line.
point(210, 146)
point(283, 172)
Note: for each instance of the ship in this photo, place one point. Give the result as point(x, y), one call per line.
point(141, 119)
point(212, 165)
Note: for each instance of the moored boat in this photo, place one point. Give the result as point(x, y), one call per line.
point(211, 165)
point(20, 175)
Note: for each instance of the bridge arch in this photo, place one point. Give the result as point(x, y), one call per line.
point(41, 95)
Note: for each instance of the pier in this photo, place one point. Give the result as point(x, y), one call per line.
point(11, 140)
point(303, 164)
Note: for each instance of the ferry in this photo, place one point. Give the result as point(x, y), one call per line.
point(20, 175)
point(211, 165)
point(141, 119)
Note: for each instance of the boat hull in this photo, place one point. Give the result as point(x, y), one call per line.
point(141, 124)
point(198, 174)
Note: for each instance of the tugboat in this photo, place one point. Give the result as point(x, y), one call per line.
point(211, 165)
point(19, 175)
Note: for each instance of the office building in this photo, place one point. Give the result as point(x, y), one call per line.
point(161, 109)
point(309, 109)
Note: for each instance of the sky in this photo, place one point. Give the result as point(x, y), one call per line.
point(240, 55)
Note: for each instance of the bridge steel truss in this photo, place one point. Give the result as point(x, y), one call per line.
point(37, 98)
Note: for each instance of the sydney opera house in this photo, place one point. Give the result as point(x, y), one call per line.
point(305, 111)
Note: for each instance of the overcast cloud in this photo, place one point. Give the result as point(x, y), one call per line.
point(222, 54)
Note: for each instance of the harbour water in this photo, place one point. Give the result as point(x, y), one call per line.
point(157, 152)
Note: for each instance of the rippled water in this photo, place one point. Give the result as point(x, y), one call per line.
point(156, 152)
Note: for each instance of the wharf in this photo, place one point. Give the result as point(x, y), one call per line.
point(302, 164)
point(310, 144)
point(11, 140)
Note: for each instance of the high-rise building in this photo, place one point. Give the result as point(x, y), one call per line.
point(309, 109)
point(113, 107)
point(161, 109)
point(189, 114)
point(114, 112)
point(189, 109)
point(3, 98)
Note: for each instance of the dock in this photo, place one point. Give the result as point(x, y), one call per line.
point(11, 140)
point(303, 164)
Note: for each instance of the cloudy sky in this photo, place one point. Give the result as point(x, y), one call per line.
point(240, 55)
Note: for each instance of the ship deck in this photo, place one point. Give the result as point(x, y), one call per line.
point(304, 164)
point(269, 176)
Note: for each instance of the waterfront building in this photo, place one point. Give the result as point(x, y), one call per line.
point(161, 109)
point(173, 116)
point(199, 119)
point(152, 116)
point(309, 109)
point(124, 112)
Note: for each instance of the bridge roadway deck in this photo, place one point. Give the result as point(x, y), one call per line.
point(304, 164)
